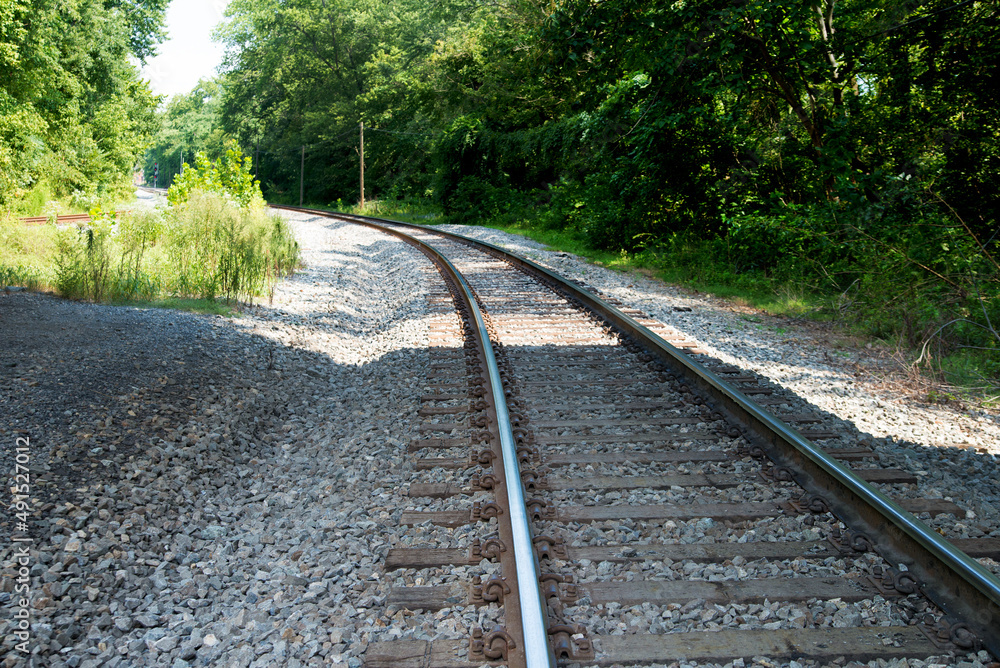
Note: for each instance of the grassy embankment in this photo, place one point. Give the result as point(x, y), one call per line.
point(28, 252)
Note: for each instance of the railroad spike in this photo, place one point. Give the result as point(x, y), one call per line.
point(549, 583)
point(570, 643)
point(538, 509)
point(532, 480)
point(949, 634)
point(490, 549)
point(850, 541)
point(493, 646)
point(527, 455)
point(483, 457)
point(814, 503)
point(518, 420)
point(549, 548)
point(492, 592)
point(523, 436)
point(485, 511)
point(773, 473)
point(484, 481)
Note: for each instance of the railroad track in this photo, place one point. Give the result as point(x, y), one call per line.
point(627, 500)
point(64, 219)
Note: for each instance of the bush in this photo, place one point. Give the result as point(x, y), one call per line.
point(206, 248)
point(218, 250)
point(216, 240)
point(104, 260)
point(228, 176)
point(83, 261)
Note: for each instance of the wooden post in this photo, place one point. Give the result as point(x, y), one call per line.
point(302, 176)
point(362, 165)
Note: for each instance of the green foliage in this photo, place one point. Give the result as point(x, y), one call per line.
point(396, 207)
point(73, 112)
point(104, 260)
point(137, 234)
point(143, 23)
point(216, 249)
point(206, 249)
point(228, 176)
point(26, 253)
point(84, 261)
point(843, 154)
point(20, 275)
point(189, 124)
point(206, 306)
point(306, 73)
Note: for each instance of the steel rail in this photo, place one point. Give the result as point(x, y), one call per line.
point(537, 650)
point(953, 580)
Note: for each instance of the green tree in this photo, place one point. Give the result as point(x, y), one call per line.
point(229, 175)
point(74, 115)
point(307, 72)
point(190, 123)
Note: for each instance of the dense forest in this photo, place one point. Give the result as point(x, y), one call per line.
point(74, 114)
point(633, 118)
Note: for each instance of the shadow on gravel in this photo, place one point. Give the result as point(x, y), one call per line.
point(959, 474)
point(159, 443)
point(98, 388)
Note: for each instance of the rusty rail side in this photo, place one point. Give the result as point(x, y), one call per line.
point(64, 219)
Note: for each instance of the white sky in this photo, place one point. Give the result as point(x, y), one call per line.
point(188, 54)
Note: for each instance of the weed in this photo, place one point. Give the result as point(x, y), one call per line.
point(220, 250)
point(203, 249)
point(206, 306)
point(84, 261)
point(20, 275)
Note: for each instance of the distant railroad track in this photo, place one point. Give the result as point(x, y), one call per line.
point(588, 442)
point(62, 219)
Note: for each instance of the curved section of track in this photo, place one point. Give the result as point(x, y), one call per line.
point(645, 470)
point(529, 613)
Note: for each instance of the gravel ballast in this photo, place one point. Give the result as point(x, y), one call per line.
point(954, 450)
point(210, 491)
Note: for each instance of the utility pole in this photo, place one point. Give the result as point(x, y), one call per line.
point(302, 175)
point(362, 165)
point(256, 158)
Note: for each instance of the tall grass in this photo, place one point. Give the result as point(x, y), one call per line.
point(216, 249)
point(205, 248)
point(26, 253)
